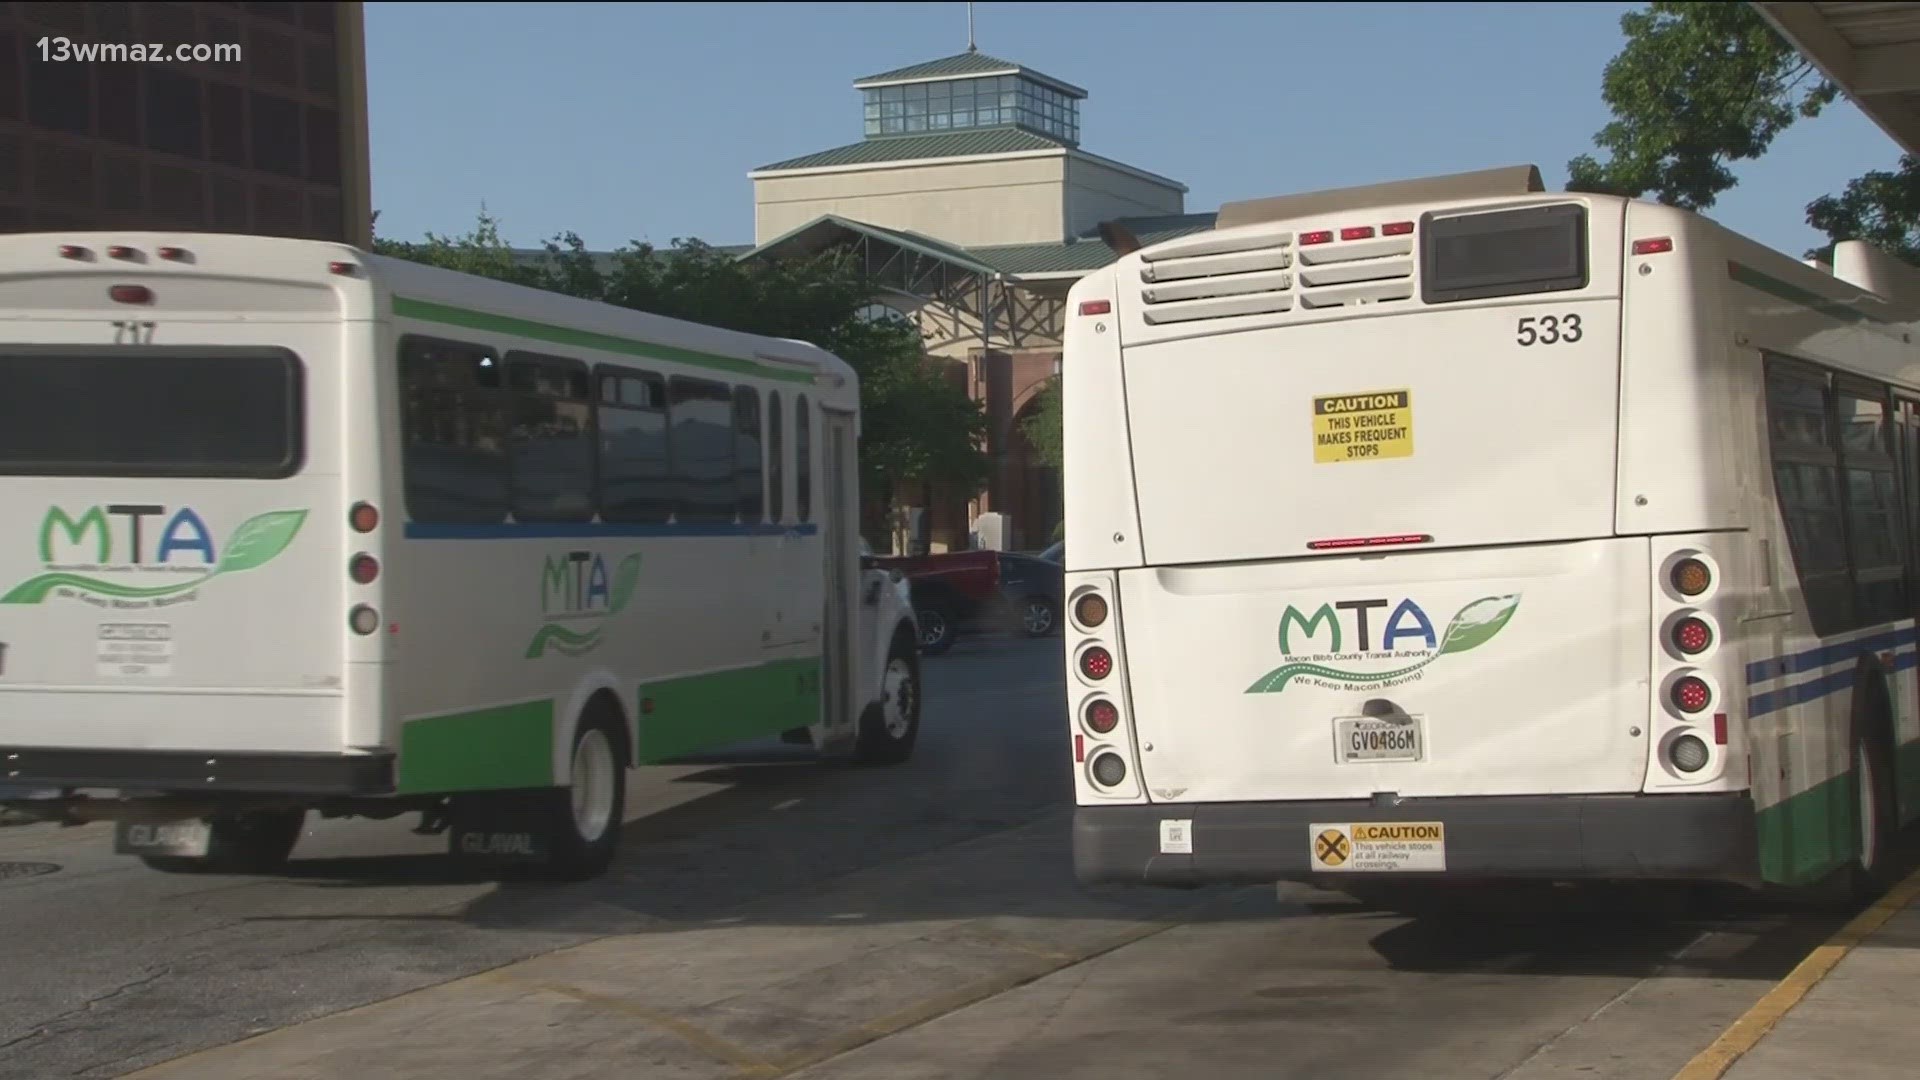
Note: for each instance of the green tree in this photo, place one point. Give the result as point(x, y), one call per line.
point(916, 427)
point(1699, 86)
point(1045, 428)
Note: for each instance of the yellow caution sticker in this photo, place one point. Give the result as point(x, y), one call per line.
point(1363, 427)
point(1378, 847)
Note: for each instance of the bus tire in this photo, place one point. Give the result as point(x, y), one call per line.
point(251, 843)
point(890, 726)
point(584, 818)
point(1876, 819)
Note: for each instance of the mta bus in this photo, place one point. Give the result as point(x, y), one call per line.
point(294, 529)
point(1456, 531)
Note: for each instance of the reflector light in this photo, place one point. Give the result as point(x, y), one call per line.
point(344, 268)
point(131, 294)
point(1095, 307)
point(1396, 228)
point(1079, 749)
point(1096, 663)
point(1102, 715)
point(364, 568)
point(364, 518)
point(1323, 236)
point(1691, 577)
point(174, 254)
point(1356, 232)
point(1720, 729)
point(1653, 246)
point(1690, 695)
point(1369, 541)
point(121, 251)
point(1692, 636)
point(1091, 610)
point(74, 251)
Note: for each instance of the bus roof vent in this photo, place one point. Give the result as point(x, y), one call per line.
point(1359, 271)
point(1864, 266)
point(1508, 180)
point(1214, 277)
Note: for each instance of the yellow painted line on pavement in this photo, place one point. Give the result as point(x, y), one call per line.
point(737, 1056)
point(1746, 1032)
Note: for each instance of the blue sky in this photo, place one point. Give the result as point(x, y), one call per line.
point(641, 121)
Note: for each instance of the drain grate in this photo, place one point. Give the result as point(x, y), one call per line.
point(11, 870)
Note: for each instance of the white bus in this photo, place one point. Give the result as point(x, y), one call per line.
point(1456, 531)
point(291, 527)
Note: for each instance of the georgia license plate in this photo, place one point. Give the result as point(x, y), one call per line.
point(1366, 738)
point(184, 839)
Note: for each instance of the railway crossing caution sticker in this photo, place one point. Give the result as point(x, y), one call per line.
point(1363, 427)
point(1378, 847)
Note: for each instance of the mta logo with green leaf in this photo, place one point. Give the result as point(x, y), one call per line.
point(1333, 667)
point(577, 596)
point(125, 566)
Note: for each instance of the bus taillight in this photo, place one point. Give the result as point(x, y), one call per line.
point(1692, 635)
point(1690, 694)
point(1096, 663)
point(1102, 715)
point(1691, 577)
point(364, 568)
point(1396, 228)
point(1656, 245)
point(1090, 610)
point(364, 517)
point(363, 619)
point(1108, 769)
point(1321, 236)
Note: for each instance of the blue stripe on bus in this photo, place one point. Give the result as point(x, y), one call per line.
point(1815, 689)
point(593, 530)
point(1824, 655)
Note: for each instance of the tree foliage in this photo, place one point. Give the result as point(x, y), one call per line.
point(1699, 86)
point(1045, 429)
point(917, 427)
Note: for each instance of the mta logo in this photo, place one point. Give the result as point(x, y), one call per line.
point(576, 583)
point(139, 534)
point(1405, 621)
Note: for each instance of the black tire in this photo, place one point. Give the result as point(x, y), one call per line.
point(1039, 617)
point(937, 629)
point(253, 843)
point(1876, 812)
point(890, 727)
point(573, 855)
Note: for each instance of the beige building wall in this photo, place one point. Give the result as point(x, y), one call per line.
point(1097, 192)
point(1011, 200)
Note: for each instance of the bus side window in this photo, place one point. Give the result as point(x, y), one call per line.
point(636, 477)
point(553, 440)
point(803, 458)
point(746, 455)
point(776, 461)
point(1875, 530)
point(1806, 471)
point(455, 420)
point(701, 449)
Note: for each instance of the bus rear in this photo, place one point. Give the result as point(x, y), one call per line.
point(1355, 582)
point(175, 555)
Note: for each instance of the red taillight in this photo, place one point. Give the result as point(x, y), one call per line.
point(1369, 541)
point(1653, 246)
point(1720, 729)
point(174, 254)
point(364, 568)
point(345, 269)
point(1096, 663)
point(75, 251)
point(131, 294)
point(1322, 236)
point(1692, 636)
point(1690, 694)
point(363, 517)
point(1396, 228)
point(1102, 715)
point(121, 251)
point(1356, 232)
point(1095, 307)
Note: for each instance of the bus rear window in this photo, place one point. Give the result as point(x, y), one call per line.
point(1504, 253)
point(150, 411)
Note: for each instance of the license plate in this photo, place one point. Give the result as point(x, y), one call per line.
point(1367, 738)
point(180, 839)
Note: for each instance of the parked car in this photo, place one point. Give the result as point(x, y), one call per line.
point(974, 589)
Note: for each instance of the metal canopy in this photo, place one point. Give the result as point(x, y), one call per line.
point(1870, 50)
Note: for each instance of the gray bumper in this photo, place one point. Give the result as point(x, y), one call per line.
point(1704, 838)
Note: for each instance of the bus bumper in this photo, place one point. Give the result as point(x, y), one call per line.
point(184, 771)
point(1698, 838)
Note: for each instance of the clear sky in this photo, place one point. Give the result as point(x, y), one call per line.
point(640, 121)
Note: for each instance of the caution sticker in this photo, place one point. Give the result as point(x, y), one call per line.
point(1378, 847)
point(1363, 427)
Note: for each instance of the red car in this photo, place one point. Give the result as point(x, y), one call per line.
point(975, 588)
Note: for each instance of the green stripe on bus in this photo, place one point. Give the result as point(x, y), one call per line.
point(700, 712)
point(1838, 310)
point(428, 311)
point(1815, 832)
point(509, 746)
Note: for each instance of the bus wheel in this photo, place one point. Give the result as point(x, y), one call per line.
point(1875, 819)
point(252, 843)
point(889, 727)
point(584, 818)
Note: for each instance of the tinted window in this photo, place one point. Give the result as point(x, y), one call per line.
point(455, 424)
point(803, 458)
point(702, 450)
point(1505, 253)
point(552, 454)
point(1875, 536)
point(150, 411)
point(636, 484)
point(776, 460)
point(746, 453)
